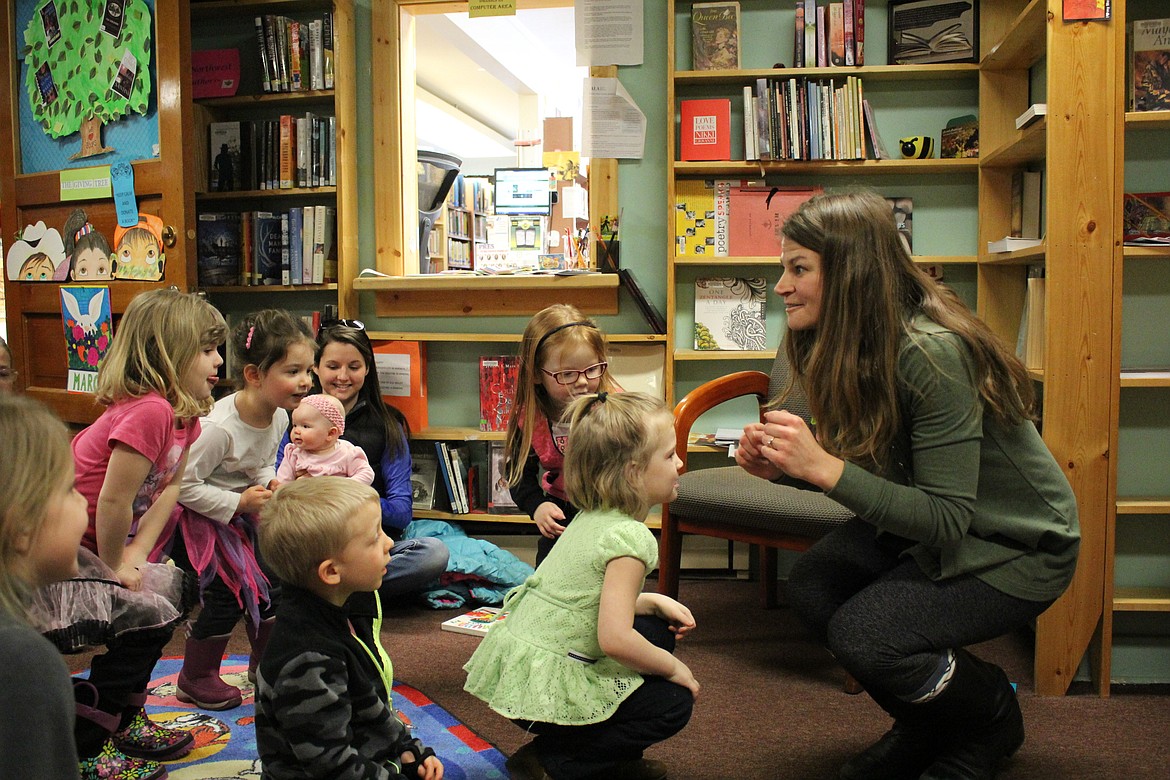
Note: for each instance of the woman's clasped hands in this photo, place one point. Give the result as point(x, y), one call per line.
point(784, 445)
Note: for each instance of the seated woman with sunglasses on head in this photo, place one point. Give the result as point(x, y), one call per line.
point(345, 370)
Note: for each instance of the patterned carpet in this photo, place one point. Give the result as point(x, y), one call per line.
point(226, 741)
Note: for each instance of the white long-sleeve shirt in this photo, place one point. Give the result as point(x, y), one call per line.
point(229, 457)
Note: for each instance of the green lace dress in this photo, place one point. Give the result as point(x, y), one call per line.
point(544, 662)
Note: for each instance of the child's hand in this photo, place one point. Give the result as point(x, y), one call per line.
point(129, 576)
point(431, 769)
point(548, 519)
point(253, 499)
point(682, 676)
point(274, 483)
point(681, 621)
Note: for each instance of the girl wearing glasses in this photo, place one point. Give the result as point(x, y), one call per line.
point(562, 357)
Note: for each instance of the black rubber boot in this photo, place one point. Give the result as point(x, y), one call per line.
point(903, 752)
point(987, 725)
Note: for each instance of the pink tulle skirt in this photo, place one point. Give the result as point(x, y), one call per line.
point(94, 608)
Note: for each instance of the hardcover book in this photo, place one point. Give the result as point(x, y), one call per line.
point(267, 246)
point(218, 253)
point(715, 35)
point(729, 313)
point(225, 151)
point(694, 217)
point(758, 214)
point(215, 73)
point(497, 387)
point(705, 129)
point(1146, 215)
point(1150, 65)
point(424, 468)
point(903, 209)
point(476, 622)
point(501, 497)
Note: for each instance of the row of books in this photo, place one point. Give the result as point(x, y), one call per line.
point(292, 247)
point(269, 154)
point(461, 478)
point(295, 55)
point(809, 119)
point(829, 35)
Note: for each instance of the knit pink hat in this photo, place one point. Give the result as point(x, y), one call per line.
point(328, 406)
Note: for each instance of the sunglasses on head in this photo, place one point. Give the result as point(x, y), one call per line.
point(357, 325)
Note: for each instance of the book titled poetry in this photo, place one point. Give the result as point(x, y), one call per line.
point(476, 622)
point(705, 129)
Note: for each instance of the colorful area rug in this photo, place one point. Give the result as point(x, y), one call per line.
point(225, 742)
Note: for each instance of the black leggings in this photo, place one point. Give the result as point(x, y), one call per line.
point(885, 621)
point(221, 610)
point(656, 710)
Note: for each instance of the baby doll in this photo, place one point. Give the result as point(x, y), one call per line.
point(314, 449)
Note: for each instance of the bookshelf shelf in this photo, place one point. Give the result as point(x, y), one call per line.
point(1147, 252)
point(749, 169)
point(1154, 378)
point(462, 295)
point(713, 261)
point(1142, 120)
point(1028, 145)
point(1017, 49)
point(217, 9)
point(271, 99)
point(1033, 254)
point(1146, 599)
point(723, 354)
point(451, 433)
point(1144, 505)
point(293, 192)
point(268, 288)
point(868, 72)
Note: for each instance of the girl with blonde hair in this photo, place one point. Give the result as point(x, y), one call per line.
point(601, 649)
point(155, 382)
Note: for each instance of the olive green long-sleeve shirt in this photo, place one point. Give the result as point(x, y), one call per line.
point(977, 496)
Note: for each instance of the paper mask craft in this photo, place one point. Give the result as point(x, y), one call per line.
point(87, 249)
point(37, 256)
point(138, 252)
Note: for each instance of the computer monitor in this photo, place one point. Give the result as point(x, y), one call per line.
point(523, 191)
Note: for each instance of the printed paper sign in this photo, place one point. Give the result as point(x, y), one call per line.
point(85, 314)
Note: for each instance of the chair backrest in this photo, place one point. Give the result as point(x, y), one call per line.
point(797, 402)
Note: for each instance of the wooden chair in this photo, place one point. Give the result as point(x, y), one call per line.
point(729, 503)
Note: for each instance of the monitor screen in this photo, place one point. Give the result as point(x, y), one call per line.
point(523, 191)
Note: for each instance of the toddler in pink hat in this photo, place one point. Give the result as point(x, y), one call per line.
point(314, 449)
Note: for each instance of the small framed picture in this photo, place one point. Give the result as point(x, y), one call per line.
point(932, 31)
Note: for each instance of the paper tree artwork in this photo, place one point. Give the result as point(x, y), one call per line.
point(87, 65)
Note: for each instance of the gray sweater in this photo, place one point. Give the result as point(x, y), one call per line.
point(36, 706)
point(978, 497)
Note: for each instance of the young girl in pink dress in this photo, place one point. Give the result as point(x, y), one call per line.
point(155, 381)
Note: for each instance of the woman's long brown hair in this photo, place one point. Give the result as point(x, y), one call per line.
point(871, 291)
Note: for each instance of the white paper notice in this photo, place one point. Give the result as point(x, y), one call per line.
point(393, 374)
point(614, 126)
point(575, 202)
point(609, 32)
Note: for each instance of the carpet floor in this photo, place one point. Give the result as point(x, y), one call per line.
point(225, 742)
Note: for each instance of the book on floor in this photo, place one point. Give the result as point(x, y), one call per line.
point(476, 622)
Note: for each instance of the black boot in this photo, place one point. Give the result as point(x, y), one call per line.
point(904, 752)
point(987, 725)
